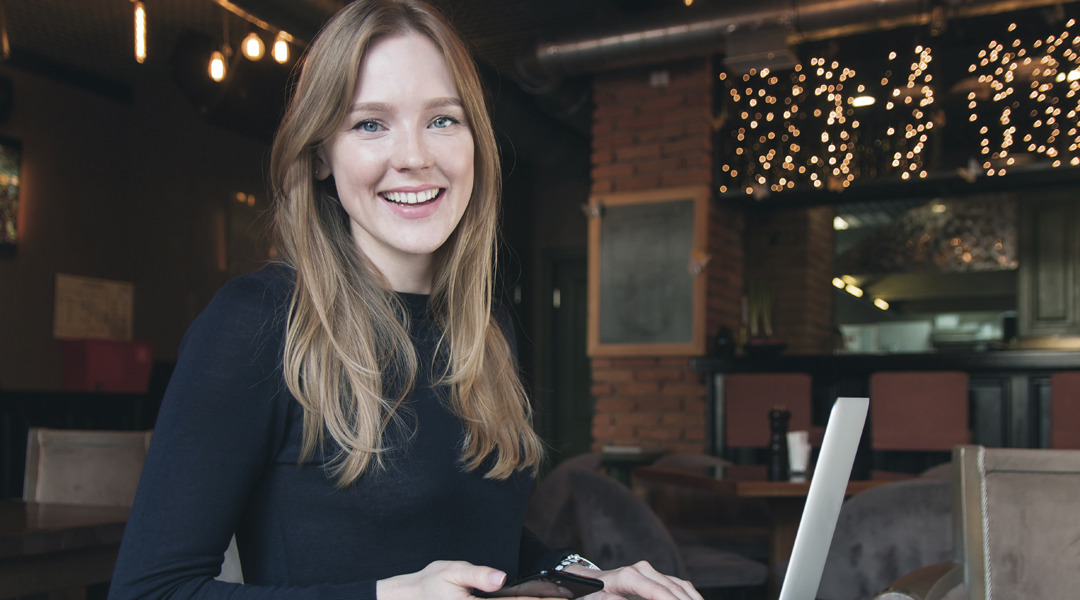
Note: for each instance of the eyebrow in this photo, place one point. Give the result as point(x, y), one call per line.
point(378, 107)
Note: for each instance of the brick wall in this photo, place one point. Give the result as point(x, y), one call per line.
point(644, 138)
point(791, 251)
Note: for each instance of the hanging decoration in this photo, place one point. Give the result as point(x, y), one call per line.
point(910, 115)
point(1026, 100)
point(811, 127)
point(790, 129)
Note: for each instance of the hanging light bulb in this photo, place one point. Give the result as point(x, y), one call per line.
point(140, 32)
point(217, 65)
point(281, 48)
point(252, 46)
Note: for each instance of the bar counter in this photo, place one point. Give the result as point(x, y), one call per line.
point(1032, 361)
point(1010, 389)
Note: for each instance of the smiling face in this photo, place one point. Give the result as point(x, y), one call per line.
point(402, 160)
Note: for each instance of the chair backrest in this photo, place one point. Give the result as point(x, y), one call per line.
point(919, 410)
point(1015, 522)
point(885, 532)
point(748, 398)
point(1065, 410)
point(549, 512)
point(74, 466)
point(619, 529)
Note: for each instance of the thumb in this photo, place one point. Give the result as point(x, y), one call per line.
point(485, 579)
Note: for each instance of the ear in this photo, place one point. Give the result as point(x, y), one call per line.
point(321, 164)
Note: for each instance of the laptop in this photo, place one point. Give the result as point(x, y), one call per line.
point(827, 489)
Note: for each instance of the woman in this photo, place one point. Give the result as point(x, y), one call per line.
point(353, 412)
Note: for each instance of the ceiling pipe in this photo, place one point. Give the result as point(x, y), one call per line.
point(701, 33)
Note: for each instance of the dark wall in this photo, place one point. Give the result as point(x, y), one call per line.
point(138, 190)
point(142, 188)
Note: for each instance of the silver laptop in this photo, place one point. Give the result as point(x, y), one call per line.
point(827, 489)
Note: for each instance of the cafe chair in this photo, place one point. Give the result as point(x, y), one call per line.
point(884, 532)
point(75, 466)
point(619, 529)
point(1015, 529)
point(549, 512)
point(85, 467)
point(748, 398)
point(1065, 410)
point(94, 467)
point(919, 410)
point(701, 517)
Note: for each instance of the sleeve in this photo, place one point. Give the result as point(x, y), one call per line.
point(221, 422)
point(534, 555)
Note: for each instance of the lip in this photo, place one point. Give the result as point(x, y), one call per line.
point(414, 211)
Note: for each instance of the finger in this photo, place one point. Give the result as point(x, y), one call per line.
point(476, 577)
point(689, 588)
point(645, 581)
point(674, 584)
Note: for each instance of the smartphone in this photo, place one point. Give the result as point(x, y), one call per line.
point(546, 584)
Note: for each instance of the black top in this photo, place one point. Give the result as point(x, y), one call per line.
point(224, 459)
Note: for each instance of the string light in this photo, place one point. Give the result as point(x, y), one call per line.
point(140, 32)
point(252, 46)
point(773, 149)
point(217, 65)
point(280, 51)
point(909, 115)
point(1027, 101)
point(772, 153)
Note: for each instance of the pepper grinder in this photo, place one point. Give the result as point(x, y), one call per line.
point(778, 444)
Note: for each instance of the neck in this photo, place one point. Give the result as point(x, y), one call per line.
point(411, 276)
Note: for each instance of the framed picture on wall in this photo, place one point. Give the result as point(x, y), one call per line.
point(10, 160)
point(646, 272)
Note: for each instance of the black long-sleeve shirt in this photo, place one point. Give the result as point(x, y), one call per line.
point(224, 459)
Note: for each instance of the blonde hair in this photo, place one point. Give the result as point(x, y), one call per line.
point(347, 330)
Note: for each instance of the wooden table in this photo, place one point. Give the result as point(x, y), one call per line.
point(50, 547)
point(784, 499)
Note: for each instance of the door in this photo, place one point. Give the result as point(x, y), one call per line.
point(566, 404)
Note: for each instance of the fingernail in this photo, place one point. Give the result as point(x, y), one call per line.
point(498, 578)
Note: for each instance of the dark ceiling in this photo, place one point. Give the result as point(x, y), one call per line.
point(89, 43)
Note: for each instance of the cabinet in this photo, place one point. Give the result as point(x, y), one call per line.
point(1049, 286)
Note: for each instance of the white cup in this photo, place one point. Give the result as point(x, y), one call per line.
point(798, 451)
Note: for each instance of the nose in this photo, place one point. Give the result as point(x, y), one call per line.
point(411, 151)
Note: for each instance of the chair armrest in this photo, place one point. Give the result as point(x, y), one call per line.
point(927, 583)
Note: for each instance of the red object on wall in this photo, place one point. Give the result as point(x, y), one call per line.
point(106, 365)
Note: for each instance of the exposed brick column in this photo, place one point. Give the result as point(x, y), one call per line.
point(792, 252)
point(647, 137)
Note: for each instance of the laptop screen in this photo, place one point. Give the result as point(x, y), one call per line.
point(827, 489)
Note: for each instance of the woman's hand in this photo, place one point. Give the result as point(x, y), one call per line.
point(638, 581)
point(450, 580)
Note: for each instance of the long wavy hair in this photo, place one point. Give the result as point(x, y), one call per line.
point(347, 331)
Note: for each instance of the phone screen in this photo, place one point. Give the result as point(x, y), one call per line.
point(547, 584)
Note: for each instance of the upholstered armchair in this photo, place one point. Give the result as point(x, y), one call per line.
point(885, 532)
point(1015, 529)
point(619, 529)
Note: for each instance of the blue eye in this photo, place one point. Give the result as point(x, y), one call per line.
point(367, 126)
point(443, 122)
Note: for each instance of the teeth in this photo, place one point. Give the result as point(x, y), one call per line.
point(411, 197)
